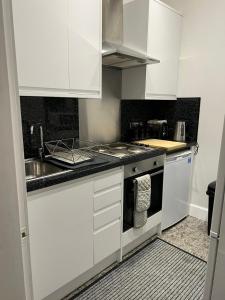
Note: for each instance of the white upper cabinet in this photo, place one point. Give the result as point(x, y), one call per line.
point(85, 43)
point(164, 39)
point(161, 38)
point(41, 39)
point(58, 47)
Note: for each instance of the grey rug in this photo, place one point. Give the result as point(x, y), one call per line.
point(190, 235)
point(160, 271)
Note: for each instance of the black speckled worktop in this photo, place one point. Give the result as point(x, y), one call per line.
point(111, 162)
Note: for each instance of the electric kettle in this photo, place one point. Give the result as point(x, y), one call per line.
point(180, 131)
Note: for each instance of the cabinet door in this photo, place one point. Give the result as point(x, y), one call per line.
point(41, 37)
point(164, 43)
point(85, 44)
point(61, 235)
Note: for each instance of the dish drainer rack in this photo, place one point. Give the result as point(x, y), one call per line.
point(70, 151)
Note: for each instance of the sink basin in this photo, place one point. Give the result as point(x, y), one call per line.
point(37, 168)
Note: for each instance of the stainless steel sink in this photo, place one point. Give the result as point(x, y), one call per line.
point(37, 168)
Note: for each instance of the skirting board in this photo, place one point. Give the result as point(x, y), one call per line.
point(198, 212)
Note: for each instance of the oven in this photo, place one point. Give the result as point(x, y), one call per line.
point(152, 166)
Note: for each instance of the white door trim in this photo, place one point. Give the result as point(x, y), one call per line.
point(12, 183)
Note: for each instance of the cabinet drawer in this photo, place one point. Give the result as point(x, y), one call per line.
point(107, 216)
point(106, 241)
point(108, 180)
point(107, 198)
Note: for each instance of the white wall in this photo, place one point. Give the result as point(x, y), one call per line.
point(100, 119)
point(202, 73)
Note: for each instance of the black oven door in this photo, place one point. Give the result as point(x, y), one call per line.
point(129, 197)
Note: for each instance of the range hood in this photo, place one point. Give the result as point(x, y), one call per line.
point(114, 53)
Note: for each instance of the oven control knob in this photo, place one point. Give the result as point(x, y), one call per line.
point(135, 169)
point(155, 163)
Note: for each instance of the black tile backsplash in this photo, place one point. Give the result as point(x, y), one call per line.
point(58, 116)
point(184, 109)
point(60, 119)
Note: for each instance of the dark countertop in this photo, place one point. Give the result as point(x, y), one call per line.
point(110, 163)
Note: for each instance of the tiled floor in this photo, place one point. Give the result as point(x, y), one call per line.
point(189, 235)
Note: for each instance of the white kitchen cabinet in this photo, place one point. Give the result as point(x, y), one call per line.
point(85, 44)
point(107, 198)
point(72, 227)
point(41, 40)
point(107, 216)
point(58, 47)
point(107, 241)
point(161, 38)
point(61, 235)
point(108, 195)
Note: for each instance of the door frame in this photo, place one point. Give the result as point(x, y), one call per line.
point(13, 211)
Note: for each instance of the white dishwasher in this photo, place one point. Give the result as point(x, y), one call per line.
point(176, 188)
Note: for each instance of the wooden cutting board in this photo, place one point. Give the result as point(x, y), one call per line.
point(168, 145)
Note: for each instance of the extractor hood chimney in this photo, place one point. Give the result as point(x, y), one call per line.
point(114, 53)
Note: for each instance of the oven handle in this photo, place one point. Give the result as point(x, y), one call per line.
point(153, 174)
point(156, 173)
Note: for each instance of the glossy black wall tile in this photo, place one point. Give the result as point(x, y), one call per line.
point(184, 109)
point(58, 116)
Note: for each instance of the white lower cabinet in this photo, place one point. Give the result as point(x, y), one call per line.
point(107, 216)
point(72, 227)
point(107, 241)
point(108, 191)
point(61, 235)
point(107, 198)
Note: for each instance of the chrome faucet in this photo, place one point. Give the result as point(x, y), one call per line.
point(40, 149)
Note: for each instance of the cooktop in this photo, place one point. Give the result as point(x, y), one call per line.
point(121, 150)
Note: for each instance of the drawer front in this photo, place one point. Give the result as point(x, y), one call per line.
point(107, 241)
point(108, 180)
point(107, 198)
point(107, 216)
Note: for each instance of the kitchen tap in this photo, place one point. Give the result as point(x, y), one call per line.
point(40, 149)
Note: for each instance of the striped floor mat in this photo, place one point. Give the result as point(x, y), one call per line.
point(160, 271)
